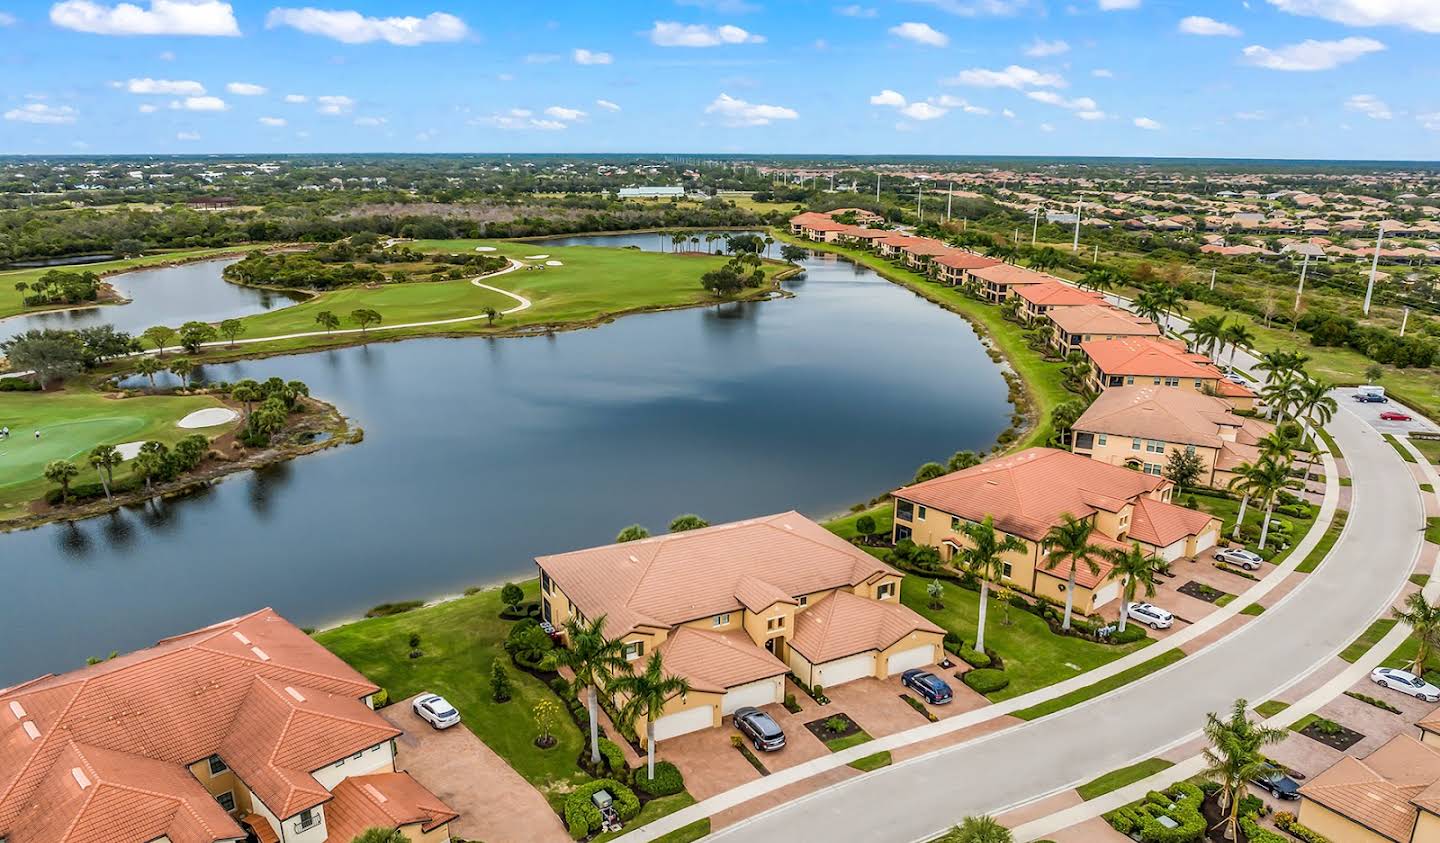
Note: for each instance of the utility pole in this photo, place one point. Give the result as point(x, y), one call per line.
point(1076, 246)
point(1096, 258)
point(949, 197)
point(919, 199)
point(1304, 267)
point(1035, 227)
point(877, 187)
point(1212, 278)
point(1374, 270)
point(1404, 320)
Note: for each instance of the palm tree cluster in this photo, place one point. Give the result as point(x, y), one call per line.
point(1158, 302)
point(1234, 757)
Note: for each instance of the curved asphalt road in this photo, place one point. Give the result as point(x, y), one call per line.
point(919, 798)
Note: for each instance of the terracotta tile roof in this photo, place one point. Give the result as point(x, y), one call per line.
point(926, 246)
point(1102, 319)
point(715, 661)
point(1382, 790)
point(174, 702)
point(1166, 414)
point(1055, 294)
point(1159, 524)
point(961, 259)
point(1084, 577)
point(756, 594)
point(667, 580)
point(1149, 357)
point(1028, 492)
point(844, 624)
point(1005, 273)
point(385, 800)
point(94, 795)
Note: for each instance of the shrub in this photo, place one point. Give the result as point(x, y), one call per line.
point(667, 781)
point(386, 609)
point(380, 698)
point(415, 654)
point(1129, 635)
point(414, 640)
point(19, 385)
point(836, 724)
point(987, 680)
point(499, 683)
point(582, 818)
point(512, 595)
point(1286, 821)
point(613, 758)
point(954, 643)
point(975, 658)
point(548, 663)
point(561, 686)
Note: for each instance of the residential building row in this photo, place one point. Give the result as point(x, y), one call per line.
point(1391, 795)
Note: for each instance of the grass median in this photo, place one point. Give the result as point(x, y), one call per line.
point(1116, 779)
point(1104, 686)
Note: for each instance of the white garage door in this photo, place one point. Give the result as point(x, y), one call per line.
point(1173, 552)
point(689, 720)
point(1106, 593)
point(760, 693)
point(845, 670)
point(906, 659)
point(1205, 541)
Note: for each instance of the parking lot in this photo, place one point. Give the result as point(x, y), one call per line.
point(1370, 412)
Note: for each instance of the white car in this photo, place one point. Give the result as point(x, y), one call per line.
point(1152, 616)
point(1240, 557)
point(433, 709)
point(1406, 683)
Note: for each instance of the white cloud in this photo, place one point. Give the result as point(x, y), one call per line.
point(1201, 25)
point(39, 112)
point(562, 113)
point(947, 101)
point(167, 55)
point(351, 27)
point(738, 112)
point(607, 105)
point(1147, 123)
point(1370, 105)
point(1423, 15)
point(1118, 5)
point(979, 8)
point(889, 97)
point(855, 10)
point(920, 33)
point(187, 136)
point(1040, 48)
point(1311, 54)
point(199, 104)
point(148, 108)
point(1008, 114)
point(923, 111)
point(583, 56)
point(1103, 73)
point(673, 34)
point(171, 87)
point(272, 121)
point(335, 104)
point(370, 121)
point(1084, 107)
point(163, 17)
point(520, 118)
point(246, 89)
point(1014, 76)
point(7, 19)
point(296, 98)
point(1095, 114)
point(1430, 120)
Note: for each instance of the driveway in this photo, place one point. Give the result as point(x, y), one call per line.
point(494, 802)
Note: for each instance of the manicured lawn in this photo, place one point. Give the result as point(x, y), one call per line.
point(687, 833)
point(1429, 447)
point(1404, 657)
point(1432, 530)
point(1270, 708)
point(461, 639)
point(654, 810)
point(1228, 510)
point(1253, 610)
point(1034, 656)
point(1116, 779)
point(1420, 579)
point(844, 527)
point(1327, 541)
point(848, 741)
point(413, 301)
point(1330, 444)
point(872, 762)
point(1400, 449)
point(73, 421)
point(1104, 686)
point(1367, 639)
point(1042, 378)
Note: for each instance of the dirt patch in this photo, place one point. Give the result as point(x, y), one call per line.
point(1201, 591)
point(822, 728)
point(1332, 734)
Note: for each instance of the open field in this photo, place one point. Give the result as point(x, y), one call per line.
point(72, 422)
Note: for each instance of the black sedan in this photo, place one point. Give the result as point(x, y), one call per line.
point(762, 730)
point(928, 685)
point(1278, 784)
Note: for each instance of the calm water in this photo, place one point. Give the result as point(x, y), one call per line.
point(480, 454)
point(163, 296)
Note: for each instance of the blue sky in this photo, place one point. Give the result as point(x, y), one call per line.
point(1229, 78)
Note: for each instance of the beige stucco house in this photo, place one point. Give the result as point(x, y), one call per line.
point(1390, 796)
point(735, 607)
point(1158, 361)
point(1077, 325)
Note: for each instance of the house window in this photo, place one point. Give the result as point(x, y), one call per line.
point(955, 523)
point(722, 620)
point(1084, 440)
point(884, 590)
point(1101, 439)
point(803, 600)
point(357, 755)
point(1199, 384)
point(226, 800)
point(217, 766)
point(545, 582)
point(1005, 572)
point(308, 819)
point(1172, 381)
point(1157, 380)
point(1129, 380)
point(921, 513)
point(1152, 468)
point(634, 650)
point(1135, 444)
point(1154, 446)
point(1190, 449)
point(775, 623)
point(904, 510)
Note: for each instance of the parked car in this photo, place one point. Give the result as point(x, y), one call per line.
point(1277, 783)
point(1395, 415)
point(928, 685)
point(1152, 616)
point(762, 730)
point(433, 709)
point(1236, 377)
point(1240, 557)
point(1405, 682)
point(1371, 398)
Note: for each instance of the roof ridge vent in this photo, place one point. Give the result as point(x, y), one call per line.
point(240, 636)
point(294, 694)
point(260, 654)
point(17, 709)
point(32, 730)
point(634, 558)
point(80, 777)
point(375, 793)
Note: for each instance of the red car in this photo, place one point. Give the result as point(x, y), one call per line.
point(1392, 415)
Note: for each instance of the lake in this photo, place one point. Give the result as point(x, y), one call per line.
point(169, 295)
point(481, 453)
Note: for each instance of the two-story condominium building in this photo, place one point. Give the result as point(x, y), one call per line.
point(1139, 427)
point(732, 608)
point(1077, 325)
point(1030, 492)
point(997, 281)
point(245, 730)
point(1391, 795)
point(919, 252)
point(863, 237)
point(893, 247)
point(1037, 300)
point(951, 268)
point(1128, 361)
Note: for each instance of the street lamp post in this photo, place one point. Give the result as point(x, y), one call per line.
point(1076, 246)
point(1304, 267)
point(1374, 270)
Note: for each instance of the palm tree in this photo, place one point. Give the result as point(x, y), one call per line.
point(1270, 477)
point(1100, 280)
point(150, 462)
point(1047, 258)
point(1235, 335)
point(181, 368)
point(62, 472)
point(1204, 333)
point(1076, 371)
point(1242, 482)
point(647, 693)
point(983, 558)
point(1423, 618)
point(1069, 541)
point(695, 243)
point(1148, 306)
point(381, 834)
point(980, 830)
point(149, 367)
point(1314, 404)
point(676, 240)
point(769, 241)
point(594, 659)
point(104, 458)
point(710, 242)
point(1134, 568)
point(247, 392)
point(1170, 300)
point(1234, 758)
point(1280, 363)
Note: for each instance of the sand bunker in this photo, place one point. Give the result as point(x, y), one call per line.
point(485, 249)
point(208, 418)
point(129, 450)
point(554, 263)
point(536, 257)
